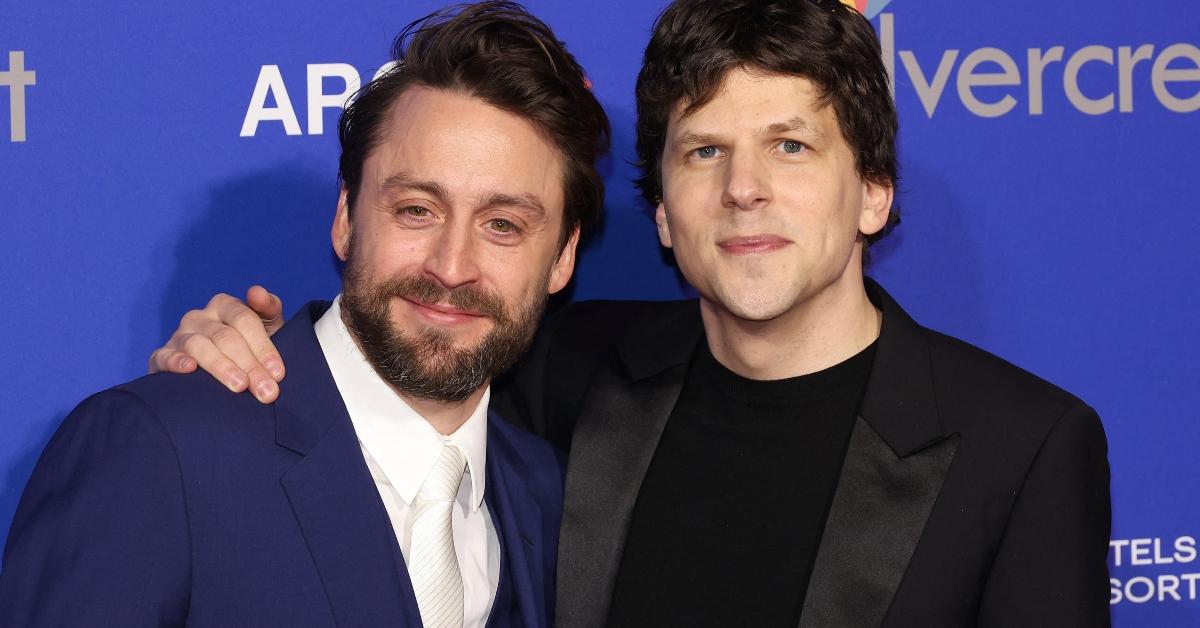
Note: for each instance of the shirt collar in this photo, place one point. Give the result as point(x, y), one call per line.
point(401, 441)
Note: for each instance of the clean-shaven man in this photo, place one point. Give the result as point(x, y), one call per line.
point(379, 491)
point(791, 448)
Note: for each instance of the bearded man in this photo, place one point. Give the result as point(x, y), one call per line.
point(381, 492)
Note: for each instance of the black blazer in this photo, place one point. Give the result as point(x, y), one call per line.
point(973, 493)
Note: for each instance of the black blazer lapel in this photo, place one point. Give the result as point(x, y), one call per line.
point(332, 494)
point(623, 417)
point(891, 477)
point(878, 513)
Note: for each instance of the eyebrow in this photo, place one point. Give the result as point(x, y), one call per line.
point(696, 139)
point(529, 202)
point(404, 181)
point(795, 124)
point(691, 138)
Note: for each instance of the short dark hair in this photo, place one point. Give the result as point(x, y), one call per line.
point(499, 53)
point(697, 42)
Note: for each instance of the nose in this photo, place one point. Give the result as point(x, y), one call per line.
point(452, 258)
point(747, 184)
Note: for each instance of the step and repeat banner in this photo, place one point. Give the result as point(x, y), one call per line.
point(153, 153)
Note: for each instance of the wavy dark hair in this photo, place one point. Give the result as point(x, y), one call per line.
point(697, 42)
point(499, 53)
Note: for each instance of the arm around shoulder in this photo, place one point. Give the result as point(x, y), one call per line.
point(1051, 567)
point(100, 537)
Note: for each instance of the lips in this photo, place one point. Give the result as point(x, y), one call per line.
point(744, 245)
point(444, 313)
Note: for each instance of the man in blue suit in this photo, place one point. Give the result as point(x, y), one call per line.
point(379, 492)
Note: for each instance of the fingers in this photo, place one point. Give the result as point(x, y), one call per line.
point(200, 346)
point(228, 340)
point(224, 342)
point(268, 306)
point(221, 349)
point(170, 361)
point(269, 311)
point(231, 342)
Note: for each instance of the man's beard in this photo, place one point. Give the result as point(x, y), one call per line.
point(426, 364)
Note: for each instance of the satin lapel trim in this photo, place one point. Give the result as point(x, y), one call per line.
point(877, 516)
point(613, 444)
point(517, 519)
point(348, 533)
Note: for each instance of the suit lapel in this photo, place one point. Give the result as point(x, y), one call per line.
point(517, 518)
point(331, 492)
point(891, 477)
point(345, 526)
point(878, 513)
point(623, 417)
point(893, 472)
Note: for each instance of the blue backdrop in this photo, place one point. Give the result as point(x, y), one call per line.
point(152, 153)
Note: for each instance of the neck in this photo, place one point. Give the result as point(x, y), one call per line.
point(445, 416)
point(823, 330)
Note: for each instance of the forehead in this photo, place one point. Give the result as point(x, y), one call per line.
point(750, 99)
point(468, 146)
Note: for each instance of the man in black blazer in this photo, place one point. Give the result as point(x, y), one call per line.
point(791, 448)
point(971, 494)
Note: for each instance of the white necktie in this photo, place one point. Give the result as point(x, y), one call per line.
point(433, 565)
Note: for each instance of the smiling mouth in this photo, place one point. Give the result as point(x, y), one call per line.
point(443, 313)
point(753, 244)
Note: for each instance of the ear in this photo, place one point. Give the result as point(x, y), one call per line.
point(564, 264)
point(877, 205)
point(340, 232)
point(664, 230)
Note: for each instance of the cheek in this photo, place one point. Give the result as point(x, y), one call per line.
point(688, 214)
point(515, 275)
point(687, 236)
point(698, 187)
point(385, 259)
point(833, 207)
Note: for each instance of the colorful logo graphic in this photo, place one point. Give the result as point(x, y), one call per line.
point(869, 8)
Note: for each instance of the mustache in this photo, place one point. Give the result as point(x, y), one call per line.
point(468, 297)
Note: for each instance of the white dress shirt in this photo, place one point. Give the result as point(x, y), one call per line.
point(401, 447)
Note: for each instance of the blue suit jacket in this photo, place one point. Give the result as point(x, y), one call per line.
point(169, 501)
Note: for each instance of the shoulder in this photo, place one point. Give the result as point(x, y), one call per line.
point(182, 406)
point(604, 312)
point(151, 419)
point(970, 380)
point(162, 389)
point(586, 331)
point(1024, 503)
point(102, 522)
point(545, 390)
point(155, 423)
point(605, 322)
point(618, 315)
point(109, 425)
point(1010, 420)
point(983, 397)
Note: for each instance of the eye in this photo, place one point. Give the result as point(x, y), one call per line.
point(791, 147)
point(707, 152)
point(416, 211)
point(500, 225)
point(415, 216)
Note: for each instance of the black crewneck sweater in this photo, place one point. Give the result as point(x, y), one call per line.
point(729, 516)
